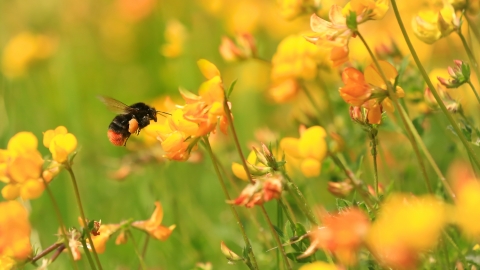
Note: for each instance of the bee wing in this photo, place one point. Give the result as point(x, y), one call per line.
point(115, 105)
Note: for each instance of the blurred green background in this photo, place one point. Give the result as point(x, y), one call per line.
point(118, 49)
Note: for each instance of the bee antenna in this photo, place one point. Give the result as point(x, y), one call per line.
point(163, 113)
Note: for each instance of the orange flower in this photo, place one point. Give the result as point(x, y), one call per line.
point(14, 231)
point(153, 225)
point(264, 189)
point(242, 48)
point(356, 90)
point(102, 235)
point(342, 234)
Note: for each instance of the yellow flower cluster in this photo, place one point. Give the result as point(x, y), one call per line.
point(23, 50)
point(60, 143)
point(294, 60)
point(431, 25)
point(14, 232)
point(21, 167)
point(198, 117)
point(310, 150)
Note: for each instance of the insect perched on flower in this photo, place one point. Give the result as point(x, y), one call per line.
point(130, 119)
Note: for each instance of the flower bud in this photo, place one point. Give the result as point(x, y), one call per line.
point(459, 74)
point(340, 189)
point(229, 254)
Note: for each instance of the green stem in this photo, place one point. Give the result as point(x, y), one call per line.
point(430, 159)
point(61, 223)
point(473, 26)
point(82, 213)
point(45, 252)
point(248, 246)
point(356, 182)
point(474, 90)
point(373, 144)
point(445, 251)
point(87, 252)
point(450, 119)
point(471, 57)
point(393, 97)
point(145, 245)
point(275, 234)
point(302, 202)
point(314, 104)
point(286, 210)
point(134, 243)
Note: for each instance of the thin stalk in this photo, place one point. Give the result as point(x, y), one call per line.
point(302, 202)
point(45, 252)
point(474, 90)
point(248, 246)
point(312, 101)
point(393, 97)
point(134, 243)
point(57, 253)
point(455, 246)
point(287, 211)
point(430, 159)
point(373, 144)
point(473, 26)
point(87, 252)
point(145, 245)
point(445, 251)
point(228, 112)
point(350, 175)
point(469, 52)
point(61, 223)
point(279, 225)
point(450, 119)
point(279, 243)
point(82, 213)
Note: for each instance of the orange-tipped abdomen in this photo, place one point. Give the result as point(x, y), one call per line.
point(116, 138)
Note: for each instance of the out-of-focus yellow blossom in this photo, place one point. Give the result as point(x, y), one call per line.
point(290, 9)
point(311, 148)
point(153, 225)
point(242, 48)
point(21, 167)
point(429, 26)
point(372, 9)
point(60, 143)
point(7, 263)
point(294, 60)
point(466, 211)
point(14, 231)
point(175, 36)
point(135, 10)
point(238, 169)
point(405, 226)
point(342, 234)
point(23, 50)
point(319, 266)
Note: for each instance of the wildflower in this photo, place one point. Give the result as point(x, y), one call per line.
point(21, 167)
point(369, 90)
point(264, 189)
point(466, 207)
point(429, 26)
point(102, 235)
point(451, 104)
point(23, 50)
point(340, 189)
point(15, 231)
point(459, 75)
point(405, 226)
point(135, 10)
point(175, 36)
point(310, 148)
point(342, 233)
point(294, 60)
point(60, 143)
point(242, 48)
point(153, 226)
point(290, 9)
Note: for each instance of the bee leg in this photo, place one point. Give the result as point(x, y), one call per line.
point(125, 143)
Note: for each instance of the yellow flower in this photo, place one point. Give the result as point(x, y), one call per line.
point(429, 26)
point(103, 234)
point(238, 169)
point(319, 266)
point(466, 212)
point(311, 149)
point(244, 47)
point(15, 231)
point(405, 226)
point(23, 50)
point(153, 225)
point(7, 263)
point(375, 10)
point(175, 36)
point(21, 167)
point(60, 143)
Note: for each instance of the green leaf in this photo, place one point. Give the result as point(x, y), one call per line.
point(279, 232)
point(417, 123)
point(352, 21)
point(230, 89)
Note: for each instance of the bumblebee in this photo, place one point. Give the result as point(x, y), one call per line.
point(130, 119)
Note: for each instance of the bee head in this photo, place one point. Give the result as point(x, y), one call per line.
point(152, 113)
